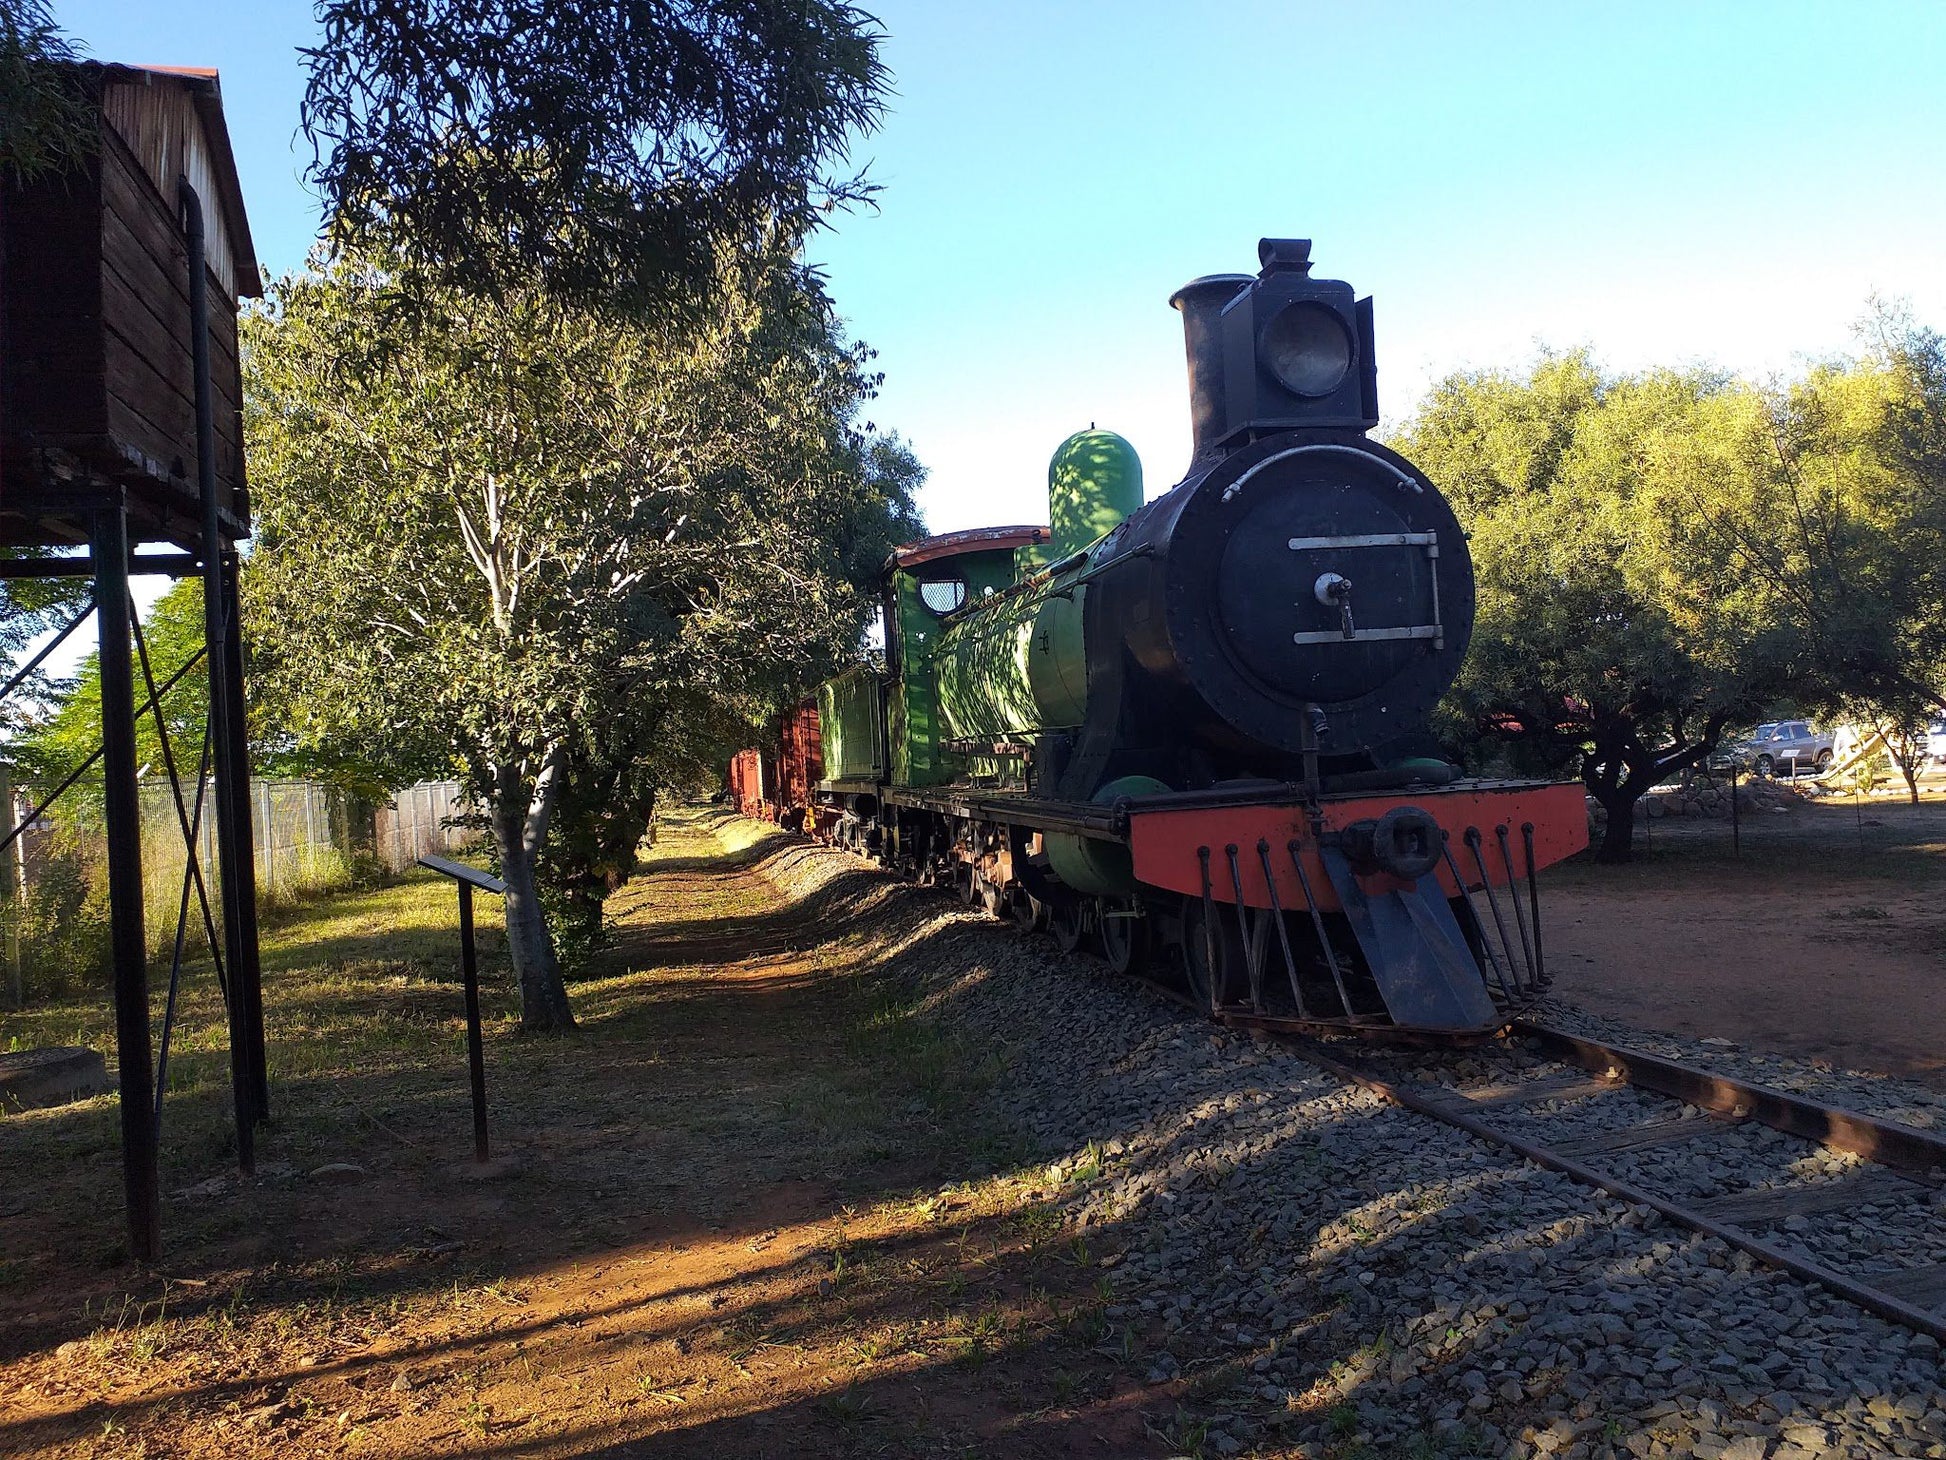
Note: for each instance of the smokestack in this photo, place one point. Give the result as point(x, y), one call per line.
point(1201, 301)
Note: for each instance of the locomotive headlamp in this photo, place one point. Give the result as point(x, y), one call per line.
point(1279, 352)
point(1308, 349)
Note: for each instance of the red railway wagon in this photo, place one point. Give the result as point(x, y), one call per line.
point(777, 783)
point(747, 782)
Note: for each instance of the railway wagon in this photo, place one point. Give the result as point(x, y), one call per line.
point(1194, 731)
point(778, 783)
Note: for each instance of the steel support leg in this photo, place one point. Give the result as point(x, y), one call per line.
point(122, 813)
point(236, 848)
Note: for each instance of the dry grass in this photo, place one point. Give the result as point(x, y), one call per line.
point(753, 1206)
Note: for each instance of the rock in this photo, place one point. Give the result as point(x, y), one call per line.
point(1508, 1311)
point(53, 1075)
point(339, 1173)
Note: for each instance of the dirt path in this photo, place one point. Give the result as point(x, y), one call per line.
point(1825, 938)
point(746, 1213)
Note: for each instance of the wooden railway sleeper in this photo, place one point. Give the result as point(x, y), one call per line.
point(1909, 1296)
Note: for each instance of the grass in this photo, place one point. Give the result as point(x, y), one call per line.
point(1900, 844)
point(692, 1094)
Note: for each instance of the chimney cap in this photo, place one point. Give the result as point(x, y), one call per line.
point(1279, 254)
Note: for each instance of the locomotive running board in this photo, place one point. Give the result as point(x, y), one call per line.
point(1415, 951)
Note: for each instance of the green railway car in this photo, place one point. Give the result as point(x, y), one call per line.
point(851, 722)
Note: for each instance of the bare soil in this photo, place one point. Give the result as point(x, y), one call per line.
point(1823, 937)
point(749, 1210)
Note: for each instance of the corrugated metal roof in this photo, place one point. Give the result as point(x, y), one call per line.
point(972, 539)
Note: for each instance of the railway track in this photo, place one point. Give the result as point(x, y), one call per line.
point(1623, 1120)
point(1594, 1111)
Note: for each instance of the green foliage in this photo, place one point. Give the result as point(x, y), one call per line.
point(1830, 511)
point(1661, 555)
point(1598, 642)
point(47, 123)
point(61, 919)
point(30, 607)
point(607, 151)
point(173, 636)
point(558, 552)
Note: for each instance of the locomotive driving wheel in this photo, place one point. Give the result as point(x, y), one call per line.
point(1029, 912)
point(1210, 987)
point(1066, 921)
point(1125, 933)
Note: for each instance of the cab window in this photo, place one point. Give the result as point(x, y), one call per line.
point(943, 595)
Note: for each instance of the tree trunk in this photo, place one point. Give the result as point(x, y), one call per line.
point(1619, 769)
point(543, 995)
point(1618, 836)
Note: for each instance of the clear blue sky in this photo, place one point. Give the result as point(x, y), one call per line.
point(1669, 183)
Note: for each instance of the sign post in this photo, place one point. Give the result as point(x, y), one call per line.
point(467, 878)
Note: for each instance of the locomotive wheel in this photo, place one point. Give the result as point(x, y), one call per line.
point(1029, 912)
point(1125, 934)
point(1065, 920)
point(991, 897)
point(1228, 980)
point(964, 880)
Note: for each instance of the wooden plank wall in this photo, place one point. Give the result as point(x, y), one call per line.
point(148, 375)
point(156, 116)
point(97, 352)
point(50, 312)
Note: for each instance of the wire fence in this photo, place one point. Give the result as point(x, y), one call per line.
point(308, 838)
point(1791, 819)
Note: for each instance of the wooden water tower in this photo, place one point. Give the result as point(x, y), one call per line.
point(121, 433)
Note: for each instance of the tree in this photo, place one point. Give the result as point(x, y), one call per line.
point(606, 151)
point(545, 546)
point(172, 639)
point(1835, 519)
point(46, 122)
point(1598, 644)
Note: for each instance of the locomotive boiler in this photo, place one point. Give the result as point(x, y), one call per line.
point(1195, 730)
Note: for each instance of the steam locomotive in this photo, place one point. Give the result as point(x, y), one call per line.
point(1194, 732)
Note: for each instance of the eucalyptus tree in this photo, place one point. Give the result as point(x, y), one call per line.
point(46, 123)
point(611, 151)
point(58, 742)
point(545, 546)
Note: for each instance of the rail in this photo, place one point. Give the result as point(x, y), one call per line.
point(1909, 1296)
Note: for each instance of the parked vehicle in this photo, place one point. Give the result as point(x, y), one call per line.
point(1779, 745)
point(1936, 740)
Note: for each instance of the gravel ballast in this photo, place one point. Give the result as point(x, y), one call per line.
point(1305, 1269)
